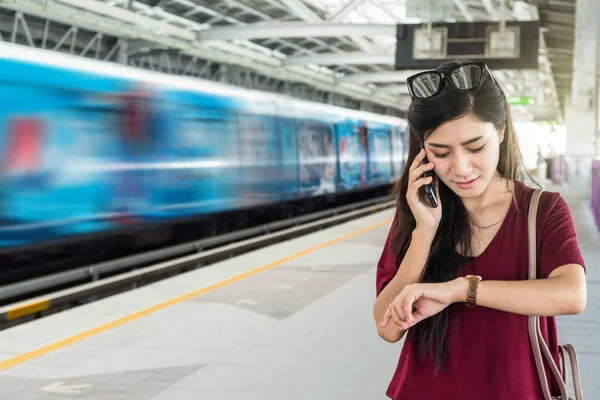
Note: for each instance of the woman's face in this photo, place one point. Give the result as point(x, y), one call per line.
point(465, 153)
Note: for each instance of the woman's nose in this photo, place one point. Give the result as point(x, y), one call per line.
point(461, 166)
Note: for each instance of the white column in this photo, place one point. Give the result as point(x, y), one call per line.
point(581, 112)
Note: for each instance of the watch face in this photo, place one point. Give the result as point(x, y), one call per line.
point(474, 276)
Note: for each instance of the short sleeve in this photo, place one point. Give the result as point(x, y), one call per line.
point(559, 245)
point(386, 267)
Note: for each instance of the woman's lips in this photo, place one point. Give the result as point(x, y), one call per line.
point(467, 184)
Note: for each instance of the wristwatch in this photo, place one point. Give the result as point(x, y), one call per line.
point(472, 293)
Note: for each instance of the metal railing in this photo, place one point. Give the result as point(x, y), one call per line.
point(231, 244)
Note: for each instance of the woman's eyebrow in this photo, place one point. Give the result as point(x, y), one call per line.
point(462, 144)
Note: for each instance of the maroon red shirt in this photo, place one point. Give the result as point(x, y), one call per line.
point(489, 355)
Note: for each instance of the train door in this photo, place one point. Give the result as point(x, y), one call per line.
point(380, 155)
point(134, 176)
point(53, 169)
point(199, 162)
point(23, 134)
point(353, 155)
point(83, 153)
point(398, 151)
point(317, 159)
point(22, 143)
point(288, 158)
point(260, 158)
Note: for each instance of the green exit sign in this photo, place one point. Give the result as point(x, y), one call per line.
point(521, 101)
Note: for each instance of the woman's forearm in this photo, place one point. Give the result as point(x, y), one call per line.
point(408, 273)
point(560, 294)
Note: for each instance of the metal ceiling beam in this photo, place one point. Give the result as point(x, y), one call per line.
point(262, 49)
point(350, 58)
point(301, 10)
point(379, 77)
point(487, 4)
point(464, 10)
point(248, 9)
point(240, 48)
point(351, 6)
point(121, 15)
point(363, 43)
point(304, 13)
point(189, 4)
point(115, 26)
point(295, 30)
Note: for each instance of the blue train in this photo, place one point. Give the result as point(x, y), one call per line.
point(93, 147)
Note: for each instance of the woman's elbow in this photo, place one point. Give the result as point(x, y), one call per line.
point(390, 335)
point(572, 289)
point(580, 303)
point(577, 301)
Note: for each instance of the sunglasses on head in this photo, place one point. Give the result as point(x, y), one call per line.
point(428, 84)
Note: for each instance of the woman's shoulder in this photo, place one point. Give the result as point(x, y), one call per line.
point(549, 200)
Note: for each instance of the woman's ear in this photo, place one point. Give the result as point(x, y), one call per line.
point(501, 133)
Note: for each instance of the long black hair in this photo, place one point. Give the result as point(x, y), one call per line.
point(488, 104)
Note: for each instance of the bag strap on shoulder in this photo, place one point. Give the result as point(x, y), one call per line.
point(538, 343)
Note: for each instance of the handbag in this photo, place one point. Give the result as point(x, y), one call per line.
point(539, 346)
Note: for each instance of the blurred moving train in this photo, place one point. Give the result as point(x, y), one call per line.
point(93, 147)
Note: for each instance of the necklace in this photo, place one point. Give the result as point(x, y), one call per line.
point(489, 226)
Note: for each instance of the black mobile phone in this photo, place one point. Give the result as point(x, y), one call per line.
point(429, 188)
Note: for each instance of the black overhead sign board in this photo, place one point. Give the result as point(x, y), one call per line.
point(516, 47)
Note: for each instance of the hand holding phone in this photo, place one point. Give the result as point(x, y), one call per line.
point(429, 188)
point(421, 194)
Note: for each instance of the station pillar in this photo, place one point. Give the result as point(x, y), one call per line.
point(582, 114)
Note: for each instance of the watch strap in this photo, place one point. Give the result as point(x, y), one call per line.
point(472, 292)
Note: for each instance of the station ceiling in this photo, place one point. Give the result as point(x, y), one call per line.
point(345, 47)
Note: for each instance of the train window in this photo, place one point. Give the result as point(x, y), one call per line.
point(354, 164)
point(289, 158)
point(23, 152)
point(257, 143)
point(198, 159)
point(205, 136)
point(398, 150)
point(380, 153)
point(316, 157)
point(260, 156)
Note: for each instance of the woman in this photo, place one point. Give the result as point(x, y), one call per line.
point(472, 244)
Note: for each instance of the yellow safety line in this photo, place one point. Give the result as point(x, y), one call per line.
point(113, 324)
point(26, 309)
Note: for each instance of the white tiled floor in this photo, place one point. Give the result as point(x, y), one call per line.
point(297, 331)
point(301, 330)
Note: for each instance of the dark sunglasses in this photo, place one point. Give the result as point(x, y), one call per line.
point(468, 76)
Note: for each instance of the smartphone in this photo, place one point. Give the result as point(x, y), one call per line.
point(429, 188)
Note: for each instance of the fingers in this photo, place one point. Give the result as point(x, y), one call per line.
point(417, 161)
point(407, 310)
point(418, 173)
point(397, 317)
point(393, 315)
point(421, 182)
point(386, 318)
point(417, 317)
point(400, 310)
point(415, 176)
point(418, 169)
